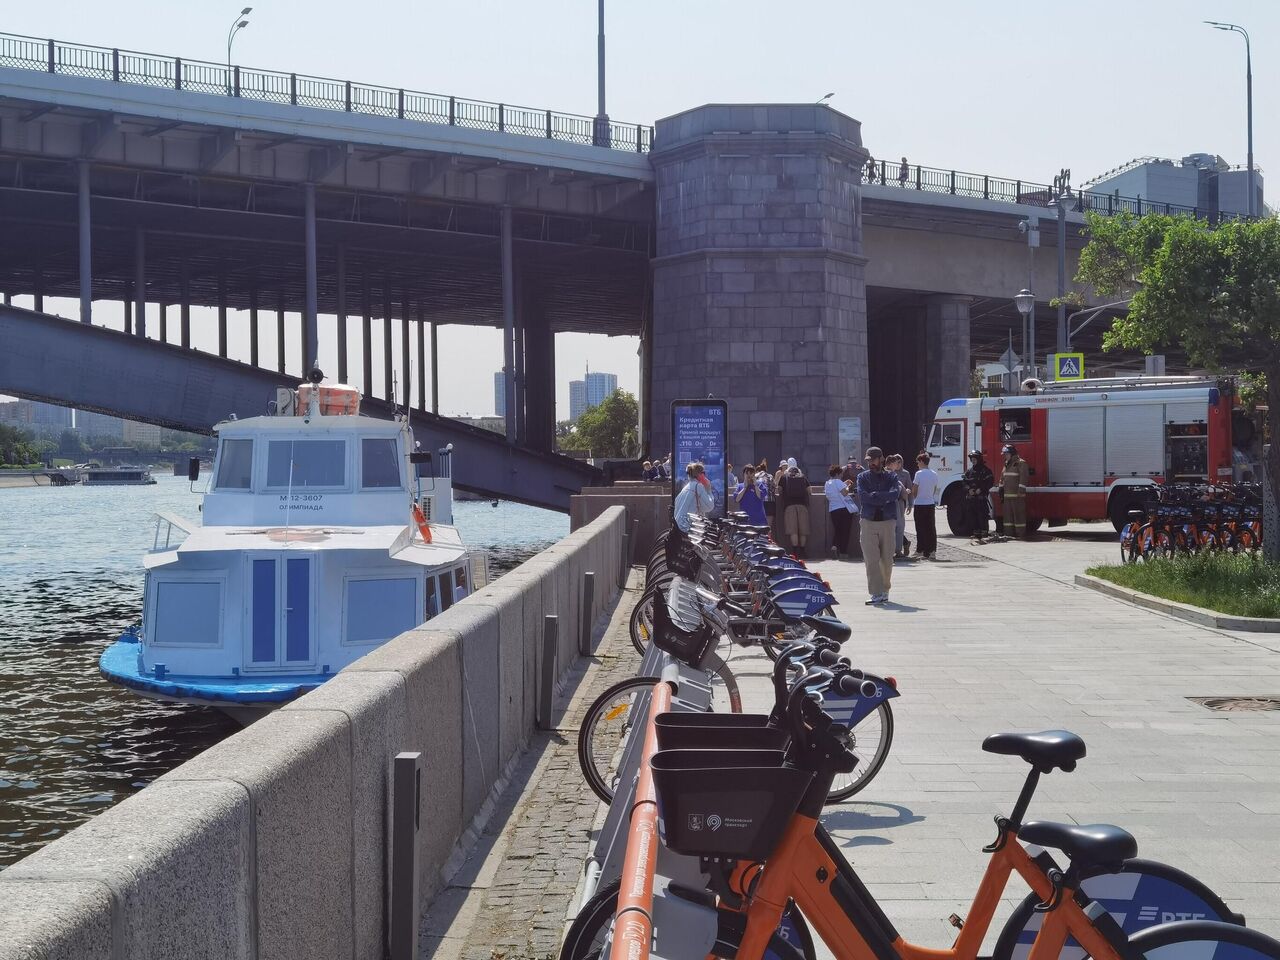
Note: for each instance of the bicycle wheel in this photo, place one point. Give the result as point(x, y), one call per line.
point(872, 738)
point(641, 624)
point(1202, 939)
point(589, 932)
point(604, 731)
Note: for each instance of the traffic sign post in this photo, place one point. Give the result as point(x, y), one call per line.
point(1068, 366)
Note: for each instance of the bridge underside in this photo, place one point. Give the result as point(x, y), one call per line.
point(73, 364)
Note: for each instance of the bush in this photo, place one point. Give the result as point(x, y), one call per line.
point(1242, 585)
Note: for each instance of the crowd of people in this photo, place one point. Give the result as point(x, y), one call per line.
point(867, 505)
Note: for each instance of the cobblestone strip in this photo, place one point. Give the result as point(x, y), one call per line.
point(510, 899)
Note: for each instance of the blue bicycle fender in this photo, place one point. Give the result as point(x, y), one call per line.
point(851, 710)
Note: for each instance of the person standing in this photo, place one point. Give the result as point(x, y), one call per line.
point(749, 495)
point(901, 545)
point(879, 494)
point(795, 508)
point(924, 493)
point(694, 499)
point(1013, 493)
point(977, 489)
point(730, 478)
point(904, 173)
point(839, 510)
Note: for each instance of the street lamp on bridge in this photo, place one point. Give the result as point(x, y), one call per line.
point(1025, 301)
point(1248, 79)
point(236, 26)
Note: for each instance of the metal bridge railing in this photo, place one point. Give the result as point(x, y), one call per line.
point(220, 79)
point(910, 176)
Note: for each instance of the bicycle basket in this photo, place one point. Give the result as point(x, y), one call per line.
point(683, 557)
point(689, 647)
point(718, 731)
point(725, 803)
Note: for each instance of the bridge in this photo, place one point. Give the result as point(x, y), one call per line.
point(165, 183)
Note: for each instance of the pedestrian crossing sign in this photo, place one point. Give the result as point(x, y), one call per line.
point(1068, 366)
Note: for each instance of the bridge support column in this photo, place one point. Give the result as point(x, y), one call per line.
point(539, 372)
point(86, 246)
point(128, 308)
point(253, 323)
point(37, 283)
point(422, 358)
point(310, 326)
point(388, 394)
point(222, 315)
point(435, 368)
point(946, 349)
point(280, 357)
point(342, 313)
point(140, 282)
point(508, 321)
point(366, 332)
point(759, 281)
point(164, 322)
point(406, 380)
point(184, 294)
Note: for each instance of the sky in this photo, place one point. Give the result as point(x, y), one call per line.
point(993, 86)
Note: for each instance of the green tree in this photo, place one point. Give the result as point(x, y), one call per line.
point(17, 447)
point(1212, 291)
point(610, 429)
point(71, 444)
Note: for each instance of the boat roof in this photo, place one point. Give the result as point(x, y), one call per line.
point(284, 424)
point(399, 542)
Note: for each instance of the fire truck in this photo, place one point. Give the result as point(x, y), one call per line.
point(1095, 448)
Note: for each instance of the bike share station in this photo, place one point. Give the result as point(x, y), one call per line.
point(712, 844)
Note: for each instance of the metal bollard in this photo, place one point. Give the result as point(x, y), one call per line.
point(585, 622)
point(623, 566)
point(406, 807)
point(547, 686)
point(635, 543)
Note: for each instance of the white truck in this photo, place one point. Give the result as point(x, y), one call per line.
point(1096, 447)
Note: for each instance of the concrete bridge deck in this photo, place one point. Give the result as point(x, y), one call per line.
point(990, 638)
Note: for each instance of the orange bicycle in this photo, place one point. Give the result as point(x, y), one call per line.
point(753, 818)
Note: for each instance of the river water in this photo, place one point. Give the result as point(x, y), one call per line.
point(71, 744)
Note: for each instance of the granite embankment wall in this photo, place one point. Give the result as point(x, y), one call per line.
point(274, 843)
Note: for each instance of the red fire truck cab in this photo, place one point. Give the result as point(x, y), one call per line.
point(1094, 448)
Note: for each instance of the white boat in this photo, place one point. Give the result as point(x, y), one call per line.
point(118, 476)
point(320, 541)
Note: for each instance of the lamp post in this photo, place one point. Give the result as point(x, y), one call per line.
point(1059, 197)
point(1248, 79)
point(1093, 313)
point(825, 98)
point(600, 135)
point(236, 26)
point(1025, 301)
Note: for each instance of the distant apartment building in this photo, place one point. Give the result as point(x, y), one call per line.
point(591, 391)
point(500, 394)
point(1201, 180)
point(36, 417)
point(90, 425)
point(145, 435)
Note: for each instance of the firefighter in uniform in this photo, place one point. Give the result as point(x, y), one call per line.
point(978, 480)
point(1013, 493)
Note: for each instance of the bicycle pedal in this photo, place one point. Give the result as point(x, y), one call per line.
point(956, 921)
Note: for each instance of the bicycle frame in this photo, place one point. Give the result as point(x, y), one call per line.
point(809, 868)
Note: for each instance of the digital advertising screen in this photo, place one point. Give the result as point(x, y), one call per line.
point(698, 432)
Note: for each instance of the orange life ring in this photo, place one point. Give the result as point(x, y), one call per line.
point(420, 519)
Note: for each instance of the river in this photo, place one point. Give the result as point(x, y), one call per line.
point(71, 744)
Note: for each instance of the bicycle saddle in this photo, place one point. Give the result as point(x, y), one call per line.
point(1045, 751)
point(828, 627)
point(1088, 845)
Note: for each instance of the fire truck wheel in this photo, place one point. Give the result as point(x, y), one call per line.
point(1121, 503)
point(1033, 524)
point(956, 519)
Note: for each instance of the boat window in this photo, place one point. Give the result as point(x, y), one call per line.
point(235, 464)
point(432, 606)
point(379, 466)
point(302, 464)
point(446, 591)
point(380, 609)
point(459, 583)
point(188, 613)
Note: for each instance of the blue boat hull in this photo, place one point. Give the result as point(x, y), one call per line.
point(121, 663)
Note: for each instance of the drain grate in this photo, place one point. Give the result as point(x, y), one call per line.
point(1238, 704)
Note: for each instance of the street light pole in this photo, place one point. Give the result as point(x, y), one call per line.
point(236, 26)
point(1060, 195)
point(601, 137)
point(1248, 78)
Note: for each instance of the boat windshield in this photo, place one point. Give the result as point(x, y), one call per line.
point(302, 464)
point(235, 461)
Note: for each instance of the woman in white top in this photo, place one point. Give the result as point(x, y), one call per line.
point(840, 508)
point(694, 499)
point(924, 490)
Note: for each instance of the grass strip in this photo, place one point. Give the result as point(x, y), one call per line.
point(1241, 585)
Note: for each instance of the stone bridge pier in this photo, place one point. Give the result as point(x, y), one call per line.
point(759, 293)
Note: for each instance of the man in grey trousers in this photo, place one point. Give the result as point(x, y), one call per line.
point(879, 492)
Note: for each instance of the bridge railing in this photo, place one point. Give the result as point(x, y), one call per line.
point(958, 183)
point(325, 93)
